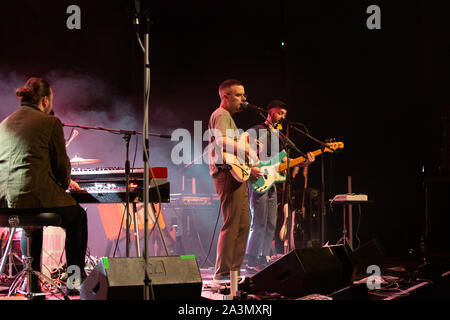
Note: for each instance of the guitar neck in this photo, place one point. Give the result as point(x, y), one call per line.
point(297, 161)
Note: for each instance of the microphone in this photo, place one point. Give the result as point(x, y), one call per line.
point(297, 124)
point(246, 105)
point(74, 134)
point(137, 13)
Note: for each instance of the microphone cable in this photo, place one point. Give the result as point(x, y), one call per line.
point(212, 238)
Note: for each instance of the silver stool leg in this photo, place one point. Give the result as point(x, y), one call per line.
point(7, 253)
point(28, 272)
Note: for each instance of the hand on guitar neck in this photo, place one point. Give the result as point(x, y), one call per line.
point(310, 159)
point(274, 169)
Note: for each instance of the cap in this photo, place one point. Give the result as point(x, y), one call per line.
point(277, 103)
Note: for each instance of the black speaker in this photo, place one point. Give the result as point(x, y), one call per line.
point(171, 278)
point(370, 253)
point(307, 271)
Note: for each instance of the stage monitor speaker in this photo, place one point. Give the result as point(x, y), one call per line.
point(370, 253)
point(172, 278)
point(307, 271)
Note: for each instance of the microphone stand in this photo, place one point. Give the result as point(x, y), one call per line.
point(285, 139)
point(127, 137)
point(143, 20)
point(289, 145)
point(116, 131)
point(322, 182)
point(148, 293)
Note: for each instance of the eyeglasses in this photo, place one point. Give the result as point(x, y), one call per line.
point(239, 95)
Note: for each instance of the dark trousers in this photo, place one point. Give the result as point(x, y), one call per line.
point(74, 221)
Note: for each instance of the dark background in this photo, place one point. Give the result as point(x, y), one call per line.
point(382, 92)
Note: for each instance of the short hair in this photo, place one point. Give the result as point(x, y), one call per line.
point(34, 90)
point(227, 84)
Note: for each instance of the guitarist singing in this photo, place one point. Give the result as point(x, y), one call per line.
point(263, 206)
point(232, 193)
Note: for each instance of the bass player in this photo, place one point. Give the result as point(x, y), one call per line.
point(263, 206)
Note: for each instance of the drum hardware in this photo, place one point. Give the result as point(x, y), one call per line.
point(9, 256)
point(77, 160)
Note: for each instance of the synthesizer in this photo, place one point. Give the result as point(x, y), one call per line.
point(108, 185)
point(115, 173)
point(349, 197)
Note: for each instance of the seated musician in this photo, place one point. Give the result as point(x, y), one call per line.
point(35, 172)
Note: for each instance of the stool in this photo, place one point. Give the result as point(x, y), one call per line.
point(29, 222)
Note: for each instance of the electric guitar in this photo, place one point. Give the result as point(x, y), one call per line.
point(239, 164)
point(274, 168)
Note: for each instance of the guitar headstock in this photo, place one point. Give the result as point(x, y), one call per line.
point(333, 144)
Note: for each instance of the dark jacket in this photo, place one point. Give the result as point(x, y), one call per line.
point(34, 166)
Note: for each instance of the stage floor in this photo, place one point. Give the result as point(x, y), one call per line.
point(402, 278)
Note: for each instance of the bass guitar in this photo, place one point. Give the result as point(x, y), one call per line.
point(273, 169)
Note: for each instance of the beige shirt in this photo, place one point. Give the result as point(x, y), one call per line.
point(221, 123)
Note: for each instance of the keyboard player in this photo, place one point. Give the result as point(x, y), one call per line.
point(35, 171)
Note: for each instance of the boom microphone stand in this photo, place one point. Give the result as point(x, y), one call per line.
point(138, 19)
point(127, 137)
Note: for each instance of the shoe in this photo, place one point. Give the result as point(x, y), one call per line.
point(72, 292)
point(263, 261)
point(225, 283)
point(252, 260)
point(253, 268)
point(73, 288)
point(221, 279)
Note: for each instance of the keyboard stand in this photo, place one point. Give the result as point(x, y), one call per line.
point(344, 239)
point(347, 235)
